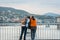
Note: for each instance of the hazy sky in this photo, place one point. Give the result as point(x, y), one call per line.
point(34, 6)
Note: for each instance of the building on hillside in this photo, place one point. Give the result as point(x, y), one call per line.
point(1, 19)
point(58, 22)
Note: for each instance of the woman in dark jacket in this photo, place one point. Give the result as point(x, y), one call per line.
point(24, 27)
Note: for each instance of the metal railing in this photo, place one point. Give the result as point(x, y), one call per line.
point(42, 32)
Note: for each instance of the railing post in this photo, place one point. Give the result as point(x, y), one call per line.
point(58, 26)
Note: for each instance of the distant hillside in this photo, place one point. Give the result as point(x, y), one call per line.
point(13, 12)
point(52, 14)
point(7, 13)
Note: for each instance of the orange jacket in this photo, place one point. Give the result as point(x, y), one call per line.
point(33, 23)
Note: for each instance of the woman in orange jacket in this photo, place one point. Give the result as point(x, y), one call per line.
point(33, 25)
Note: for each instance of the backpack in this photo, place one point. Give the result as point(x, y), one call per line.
point(29, 27)
point(28, 24)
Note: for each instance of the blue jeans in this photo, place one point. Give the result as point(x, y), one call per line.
point(23, 30)
point(33, 31)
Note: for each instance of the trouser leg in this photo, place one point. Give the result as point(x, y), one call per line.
point(33, 31)
point(25, 32)
point(22, 30)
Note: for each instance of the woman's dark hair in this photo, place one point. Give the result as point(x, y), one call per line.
point(28, 17)
point(33, 18)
